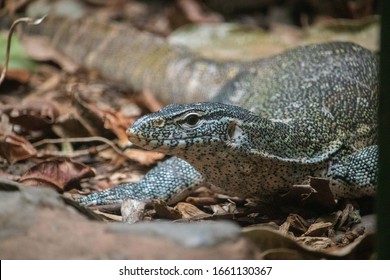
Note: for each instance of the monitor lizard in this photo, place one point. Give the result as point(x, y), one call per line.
point(250, 129)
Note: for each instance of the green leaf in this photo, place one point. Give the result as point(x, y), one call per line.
point(18, 60)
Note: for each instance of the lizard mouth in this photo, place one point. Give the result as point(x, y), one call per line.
point(134, 136)
point(167, 145)
point(137, 138)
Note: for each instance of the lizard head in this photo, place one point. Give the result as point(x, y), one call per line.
point(178, 129)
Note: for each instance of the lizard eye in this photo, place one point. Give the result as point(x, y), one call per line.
point(191, 120)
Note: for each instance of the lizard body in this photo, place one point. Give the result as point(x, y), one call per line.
point(310, 111)
point(304, 119)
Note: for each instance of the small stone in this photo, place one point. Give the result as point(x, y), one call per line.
point(132, 211)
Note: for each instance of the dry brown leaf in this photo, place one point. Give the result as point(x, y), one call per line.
point(349, 216)
point(47, 82)
point(217, 209)
point(91, 117)
point(295, 224)
point(69, 125)
point(349, 236)
point(14, 5)
point(143, 157)
point(226, 208)
point(269, 241)
point(5, 125)
point(324, 196)
point(33, 114)
point(202, 201)
point(317, 196)
point(318, 229)
point(164, 211)
point(230, 207)
point(20, 75)
point(280, 246)
point(189, 211)
point(194, 12)
point(315, 242)
point(116, 218)
point(108, 208)
point(60, 173)
point(15, 148)
point(118, 124)
point(102, 122)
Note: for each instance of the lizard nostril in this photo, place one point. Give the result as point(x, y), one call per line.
point(159, 122)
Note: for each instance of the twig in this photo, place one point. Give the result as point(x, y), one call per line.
point(73, 154)
point(79, 139)
point(27, 20)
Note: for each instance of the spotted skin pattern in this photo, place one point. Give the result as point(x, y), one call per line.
point(310, 111)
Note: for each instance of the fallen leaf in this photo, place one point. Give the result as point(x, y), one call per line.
point(102, 122)
point(202, 201)
point(189, 211)
point(317, 196)
point(109, 208)
point(194, 12)
point(21, 76)
point(274, 245)
point(368, 222)
point(270, 242)
point(116, 218)
point(60, 173)
point(324, 196)
point(15, 148)
point(350, 236)
point(226, 208)
point(348, 216)
point(33, 114)
point(143, 157)
point(5, 125)
point(361, 248)
point(217, 209)
point(318, 229)
point(295, 224)
point(315, 242)
point(68, 125)
point(164, 211)
point(14, 5)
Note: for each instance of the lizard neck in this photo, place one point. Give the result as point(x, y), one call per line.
point(236, 172)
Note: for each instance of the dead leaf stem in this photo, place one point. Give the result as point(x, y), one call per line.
point(27, 20)
point(79, 139)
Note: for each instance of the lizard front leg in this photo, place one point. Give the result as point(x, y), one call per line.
point(171, 181)
point(355, 175)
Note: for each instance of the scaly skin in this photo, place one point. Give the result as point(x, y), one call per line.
point(313, 114)
point(138, 59)
point(312, 111)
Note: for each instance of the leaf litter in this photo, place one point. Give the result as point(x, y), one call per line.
point(66, 130)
